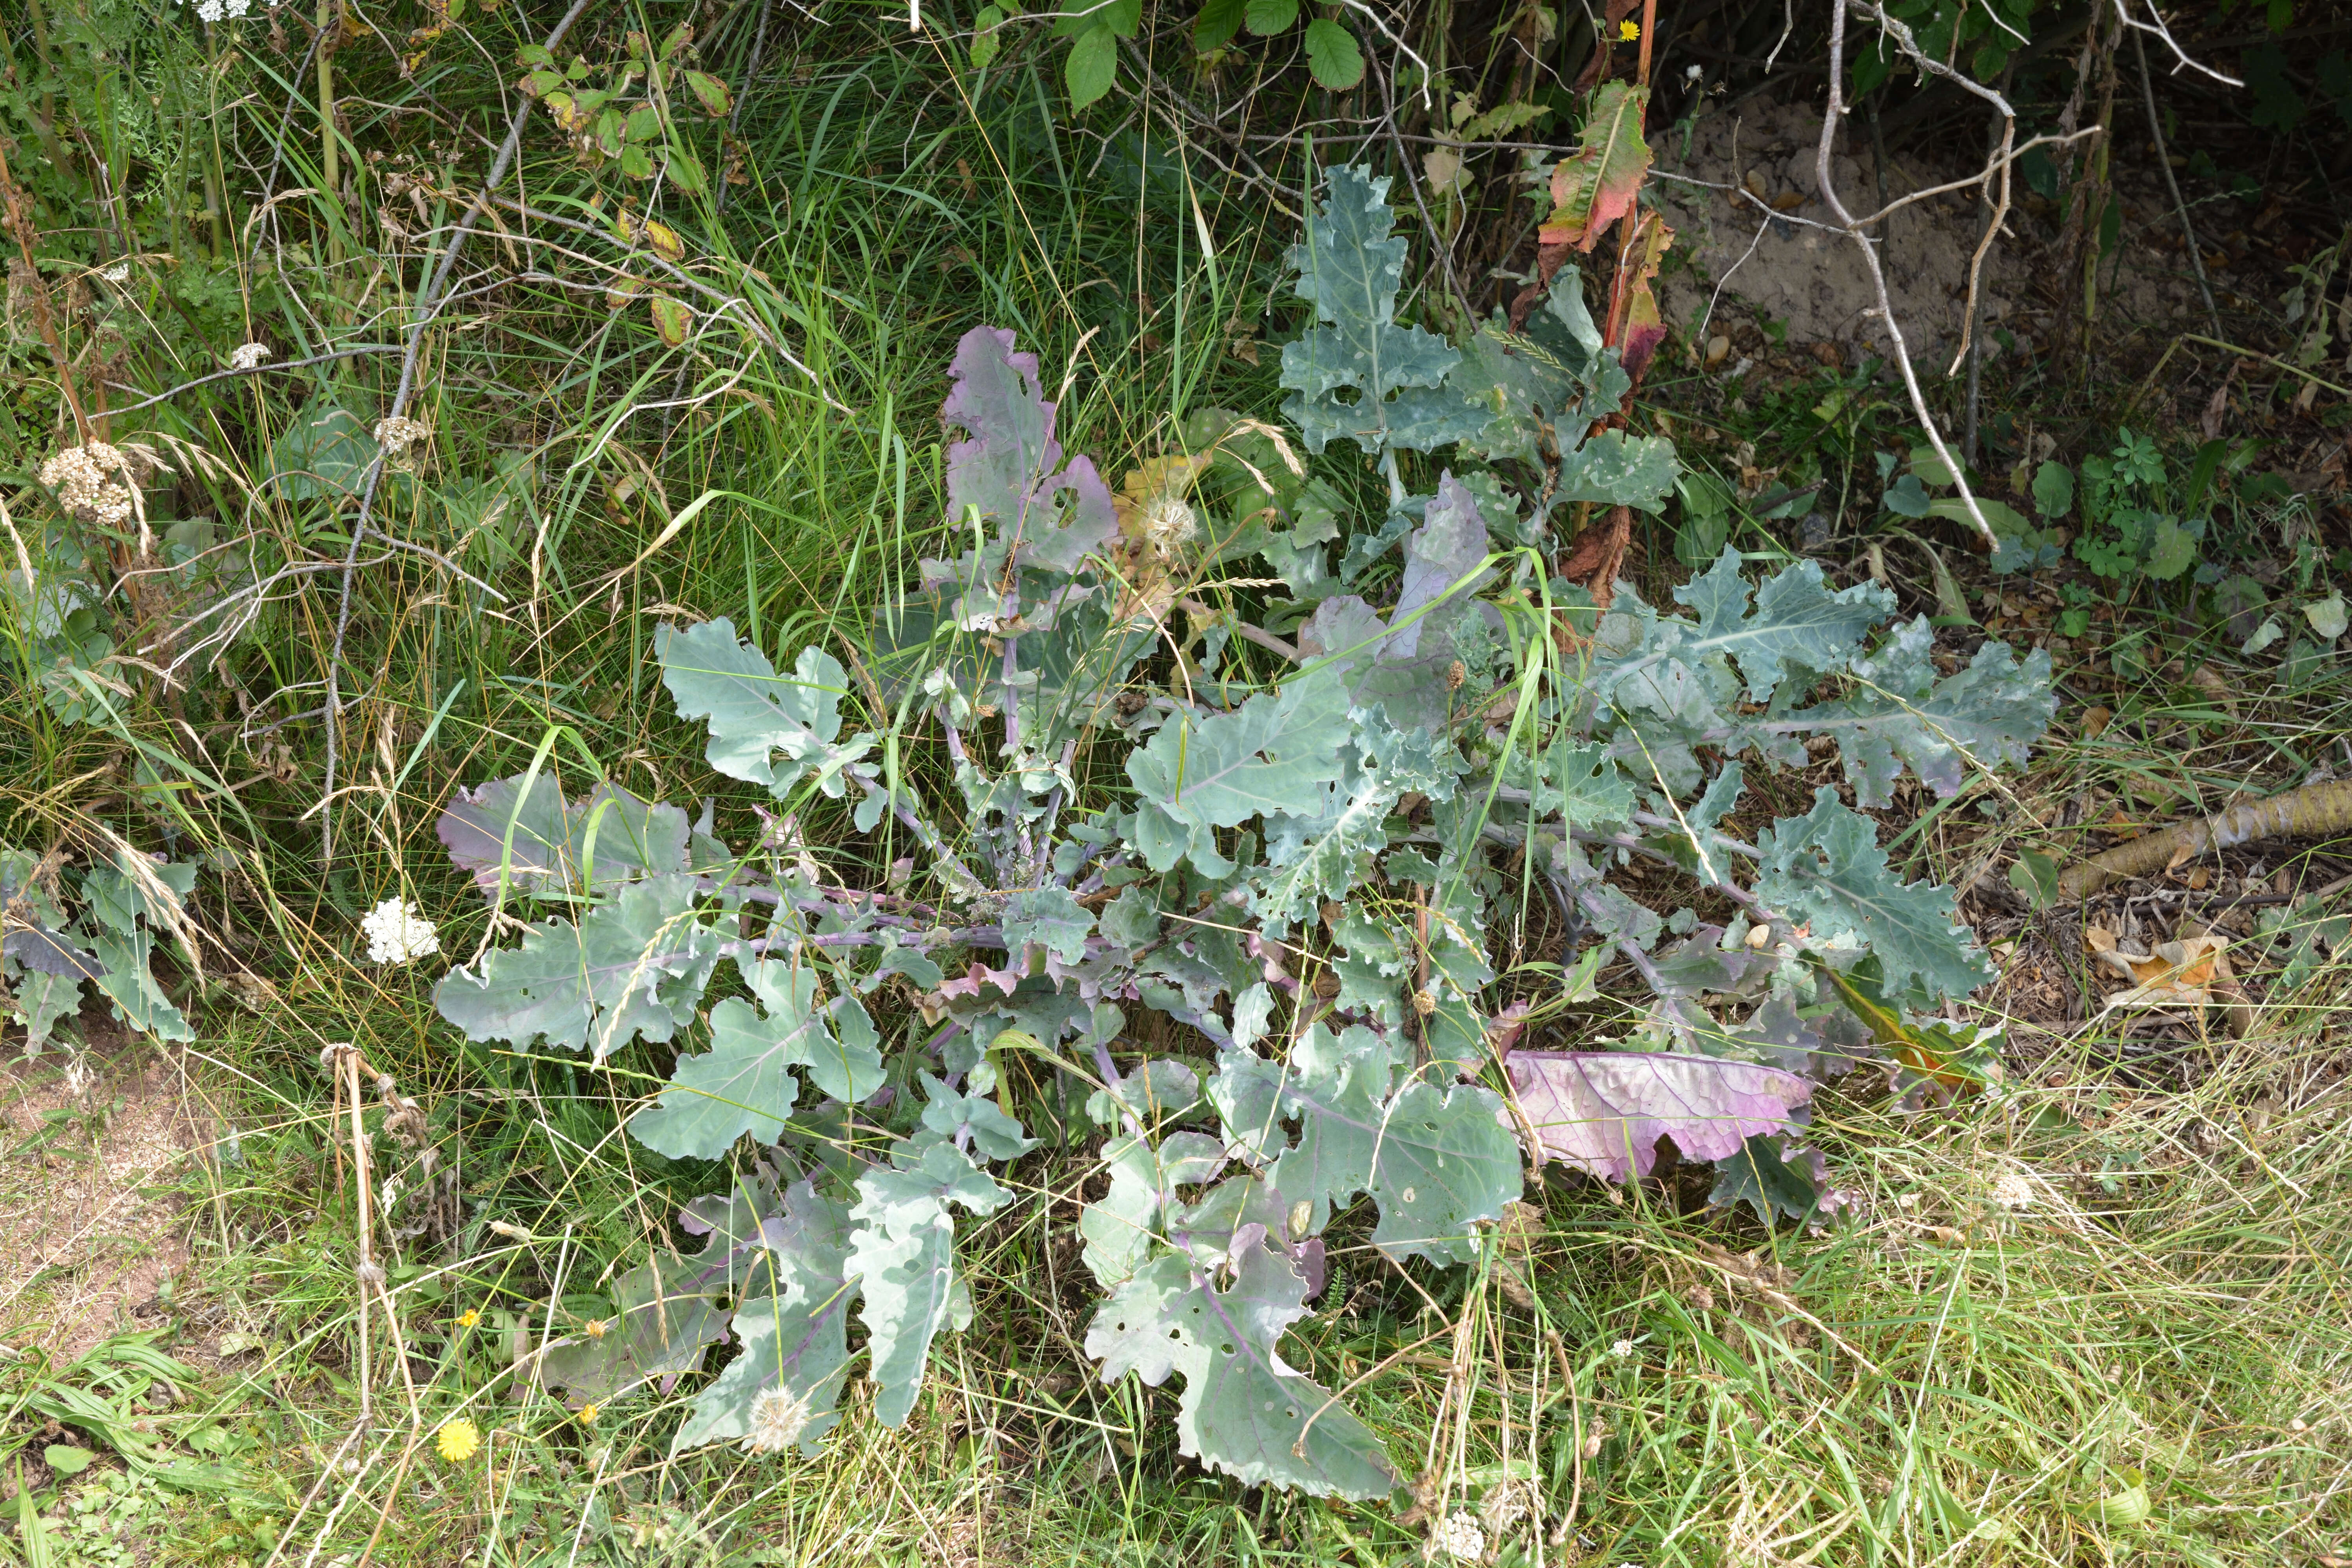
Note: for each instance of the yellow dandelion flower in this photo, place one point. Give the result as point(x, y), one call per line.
point(1629, 31)
point(587, 1415)
point(468, 1317)
point(457, 1441)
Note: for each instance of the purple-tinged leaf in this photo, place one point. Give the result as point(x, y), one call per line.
point(1604, 1111)
point(1007, 463)
point(1450, 543)
point(550, 851)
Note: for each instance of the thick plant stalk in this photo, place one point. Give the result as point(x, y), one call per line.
point(2314, 810)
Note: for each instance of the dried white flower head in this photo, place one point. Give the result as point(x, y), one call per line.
point(399, 436)
point(92, 482)
point(2012, 1191)
point(1168, 521)
point(1459, 1539)
point(118, 273)
point(79, 1076)
point(398, 933)
point(248, 356)
point(778, 1419)
point(1503, 1505)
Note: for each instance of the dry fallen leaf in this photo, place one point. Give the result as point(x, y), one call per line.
point(2096, 721)
point(2179, 974)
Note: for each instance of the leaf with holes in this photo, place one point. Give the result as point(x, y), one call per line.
point(1245, 1411)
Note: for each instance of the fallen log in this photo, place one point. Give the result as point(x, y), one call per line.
point(2314, 811)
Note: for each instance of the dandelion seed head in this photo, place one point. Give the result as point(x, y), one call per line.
point(397, 932)
point(1169, 521)
point(778, 1418)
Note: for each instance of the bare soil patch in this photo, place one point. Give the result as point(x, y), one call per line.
point(90, 1249)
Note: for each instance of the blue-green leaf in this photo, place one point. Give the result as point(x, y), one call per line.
point(766, 729)
point(1827, 868)
point(634, 968)
point(1350, 268)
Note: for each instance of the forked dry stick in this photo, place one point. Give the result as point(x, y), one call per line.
point(1832, 116)
point(429, 301)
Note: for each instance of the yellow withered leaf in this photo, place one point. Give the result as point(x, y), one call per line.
point(665, 241)
point(671, 319)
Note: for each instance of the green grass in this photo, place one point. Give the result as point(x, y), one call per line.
point(1940, 1378)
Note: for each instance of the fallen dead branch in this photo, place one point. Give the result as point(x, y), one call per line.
point(2314, 810)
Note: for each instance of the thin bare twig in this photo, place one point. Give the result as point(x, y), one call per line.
point(1832, 115)
point(2164, 162)
point(428, 306)
point(2181, 56)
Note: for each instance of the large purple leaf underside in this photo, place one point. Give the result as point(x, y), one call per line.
point(1604, 1111)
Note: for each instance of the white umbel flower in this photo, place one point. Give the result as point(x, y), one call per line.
point(222, 10)
point(2012, 1191)
point(778, 1419)
point(118, 273)
point(248, 356)
point(91, 483)
point(398, 933)
point(1458, 1540)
